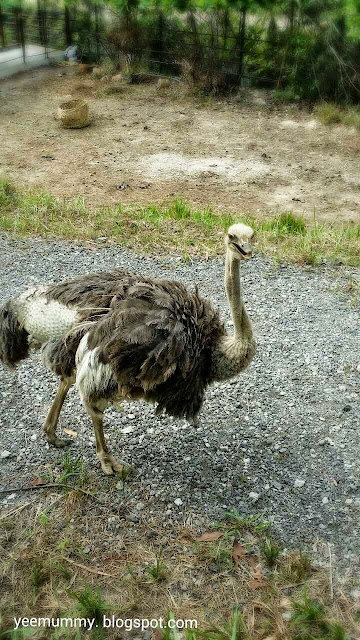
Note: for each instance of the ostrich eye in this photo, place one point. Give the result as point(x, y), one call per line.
point(231, 236)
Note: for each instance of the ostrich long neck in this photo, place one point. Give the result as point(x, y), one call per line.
point(242, 326)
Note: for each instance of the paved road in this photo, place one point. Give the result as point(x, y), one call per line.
point(11, 59)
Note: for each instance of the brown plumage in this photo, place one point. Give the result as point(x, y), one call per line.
point(121, 336)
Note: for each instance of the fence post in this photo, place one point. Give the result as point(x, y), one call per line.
point(2, 32)
point(40, 17)
point(22, 34)
point(97, 31)
point(19, 29)
point(241, 42)
point(67, 23)
point(161, 40)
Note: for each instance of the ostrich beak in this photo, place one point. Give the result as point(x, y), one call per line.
point(246, 250)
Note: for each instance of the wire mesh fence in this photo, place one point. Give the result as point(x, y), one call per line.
point(216, 51)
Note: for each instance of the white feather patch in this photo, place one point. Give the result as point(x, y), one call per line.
point(44, 319)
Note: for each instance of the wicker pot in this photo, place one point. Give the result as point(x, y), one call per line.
point(85, 68)
point(74, 114)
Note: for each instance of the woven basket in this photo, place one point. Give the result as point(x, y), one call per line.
point(74, 114)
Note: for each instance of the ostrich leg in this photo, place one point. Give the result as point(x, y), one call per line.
point(109, 464)
point(53, 415)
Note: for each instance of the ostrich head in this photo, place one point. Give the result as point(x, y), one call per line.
point(237, 241)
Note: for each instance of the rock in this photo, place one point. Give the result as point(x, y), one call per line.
point(299, 483)
point(118, 78)
point(254, 497)
point(34, 436)
point(5, 454)
point(287, 615)
point(325, 500)
point(133, 518)
point(178, 502)
point(86, 550)
point(163, 83)
point(97, 72)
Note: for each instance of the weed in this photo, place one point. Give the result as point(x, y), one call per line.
point(234, 629)
point(217, 553)
point(310, 622)
point(158, 571)
point(328, 113)
point(254, 523)
point(90, 604)
point(285, 223)
point(8, 194)
point(71, 468)
point(271, 551)
point(298, 567)
point(125, 473)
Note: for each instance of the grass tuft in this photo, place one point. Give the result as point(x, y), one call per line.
point(286, 223)
point(158, 571)
point(271, 551)
point(330, 114)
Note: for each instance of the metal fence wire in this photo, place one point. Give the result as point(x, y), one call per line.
point(162, 46)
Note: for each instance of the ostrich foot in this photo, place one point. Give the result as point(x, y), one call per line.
point(57, 442)
point(109, 464)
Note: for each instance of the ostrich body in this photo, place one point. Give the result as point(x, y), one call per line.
point(125, 337)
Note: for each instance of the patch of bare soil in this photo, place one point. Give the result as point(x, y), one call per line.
point(241, 155)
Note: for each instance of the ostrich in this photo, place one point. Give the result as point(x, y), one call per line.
point(128, 337)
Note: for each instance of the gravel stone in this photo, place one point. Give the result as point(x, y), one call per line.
point(255, 430)
point(299, 483)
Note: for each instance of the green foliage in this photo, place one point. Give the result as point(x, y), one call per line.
point(89, 604)
point(309, 621)
point(158, 571)
point(271, 551)
point(286, 223)
point(234, 629)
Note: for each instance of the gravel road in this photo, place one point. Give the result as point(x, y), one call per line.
point(282, 440)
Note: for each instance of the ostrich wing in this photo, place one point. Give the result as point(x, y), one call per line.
point(159, 341)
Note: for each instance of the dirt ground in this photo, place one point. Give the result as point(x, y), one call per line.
point(243, 155)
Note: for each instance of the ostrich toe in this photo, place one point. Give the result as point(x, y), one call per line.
point(109, 464)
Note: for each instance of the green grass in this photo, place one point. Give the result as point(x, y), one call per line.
point(309, 621)
point(174, 227)
point(330, 114)
point(72, 468)
point(158, 571)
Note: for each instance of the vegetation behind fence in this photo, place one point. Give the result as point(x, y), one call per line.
point(308, 49)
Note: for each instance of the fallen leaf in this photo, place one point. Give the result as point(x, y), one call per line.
point(253, 560)
point(256, 584)
point(210, 536)
point(71, 433)
point(36, 482)
point(238, 551)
